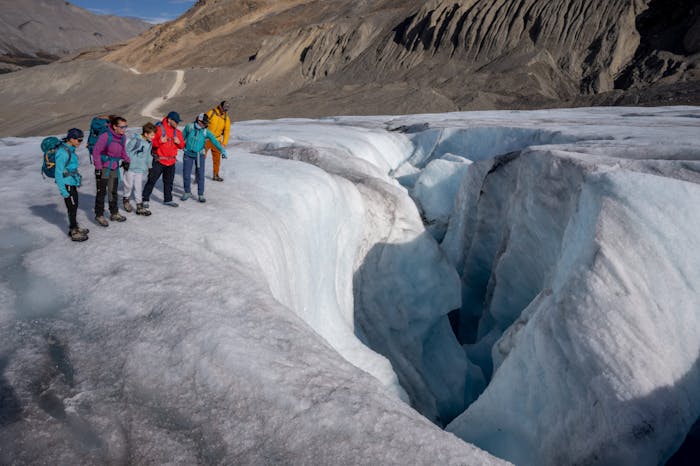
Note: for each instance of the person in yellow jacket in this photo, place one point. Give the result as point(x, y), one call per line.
point(220, 126)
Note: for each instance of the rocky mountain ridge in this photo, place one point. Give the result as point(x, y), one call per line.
point(311, 58)
point(517, 52)
point(41, 31)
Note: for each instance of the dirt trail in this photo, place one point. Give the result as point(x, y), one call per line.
point(151, 109)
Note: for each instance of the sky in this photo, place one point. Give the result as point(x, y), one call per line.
point(153, 11)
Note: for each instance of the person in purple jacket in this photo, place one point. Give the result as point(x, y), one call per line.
point(109, 150)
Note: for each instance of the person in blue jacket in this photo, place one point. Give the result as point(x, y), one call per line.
point(196, 134)
point(68, 180)
point(138, 147)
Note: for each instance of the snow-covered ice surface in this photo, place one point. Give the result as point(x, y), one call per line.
point(285, 320)
point(221, 332)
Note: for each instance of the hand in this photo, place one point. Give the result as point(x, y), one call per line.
point(163, 139)
point(125, 166)
point(98, 173)
point(176, 140)
point(224, 155)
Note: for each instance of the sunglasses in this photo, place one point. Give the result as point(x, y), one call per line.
point(123, 126)
point(80, 139)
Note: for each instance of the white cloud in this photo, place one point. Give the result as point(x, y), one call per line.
point(159, 19)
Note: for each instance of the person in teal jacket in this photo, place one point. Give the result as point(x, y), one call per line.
point(196, 135)
point(68, 180)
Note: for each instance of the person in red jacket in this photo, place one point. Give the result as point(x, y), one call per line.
point(166, 143)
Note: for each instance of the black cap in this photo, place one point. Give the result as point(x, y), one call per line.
point(74, 133)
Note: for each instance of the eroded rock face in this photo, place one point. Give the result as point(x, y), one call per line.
point(669, 34)
point(588, 41)
point(476, 53)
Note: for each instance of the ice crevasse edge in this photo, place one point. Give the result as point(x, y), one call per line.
point(585, 217)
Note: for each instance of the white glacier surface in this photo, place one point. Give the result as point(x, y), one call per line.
point(300, 316)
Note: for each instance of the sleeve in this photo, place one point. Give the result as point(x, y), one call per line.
point(227, 128)
point(125, 156)
point(182, 140)
point(61, 160)
point(149, 159)
point(215, 141)
point(156, 139)
point(98, 149)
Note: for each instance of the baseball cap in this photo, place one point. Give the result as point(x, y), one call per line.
point(174, 116)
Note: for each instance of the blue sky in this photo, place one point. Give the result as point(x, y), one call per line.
point(154, 11)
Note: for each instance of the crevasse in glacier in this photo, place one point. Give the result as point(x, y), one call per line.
point(579, 284)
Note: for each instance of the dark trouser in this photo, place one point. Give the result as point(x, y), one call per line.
point(105, 186)
point(187, 163)
point(72, 206)
point(168, 172)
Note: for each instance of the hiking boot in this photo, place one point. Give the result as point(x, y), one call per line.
point(141, 210)
point(217, 178)
point(171, 203)
point(185, 196)
point(127, 205)
point(77, 235)
point(102, 221)
point(201, 199)
point(82, 231)
point(117, 217)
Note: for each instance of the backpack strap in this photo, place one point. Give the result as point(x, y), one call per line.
point(70, 157)
point(104, 156)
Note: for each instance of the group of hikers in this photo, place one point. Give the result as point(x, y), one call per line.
point(142, 157)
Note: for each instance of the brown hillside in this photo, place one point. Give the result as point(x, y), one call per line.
point(309, 58)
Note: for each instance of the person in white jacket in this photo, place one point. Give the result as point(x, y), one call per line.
point(135, 172)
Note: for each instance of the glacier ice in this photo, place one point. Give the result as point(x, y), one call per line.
point(226, 331)
point(285, 320)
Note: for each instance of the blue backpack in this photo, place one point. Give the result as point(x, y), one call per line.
point(159, 126)
point(98, 125)
point(49, 146)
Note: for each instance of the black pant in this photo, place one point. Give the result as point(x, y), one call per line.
point(168, 172)
point(72, 206)
point(105, 185)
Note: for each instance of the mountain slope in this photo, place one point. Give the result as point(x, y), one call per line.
point(40, 31)
point(312, 58)
point(466, 54)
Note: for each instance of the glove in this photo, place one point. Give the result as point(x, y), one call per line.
point(125, 166)
point(224, 155)
point(98, 173)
